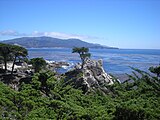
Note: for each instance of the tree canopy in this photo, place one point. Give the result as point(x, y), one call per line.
point(11, 52)
point(83, 53)
point(38, 63)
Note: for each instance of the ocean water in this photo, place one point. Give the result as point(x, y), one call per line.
point(115, 61)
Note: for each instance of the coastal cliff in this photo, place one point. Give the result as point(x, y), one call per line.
point(91, 78)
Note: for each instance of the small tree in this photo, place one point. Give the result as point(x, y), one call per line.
point(38, 64)
point(17, 53)
point(83, 53)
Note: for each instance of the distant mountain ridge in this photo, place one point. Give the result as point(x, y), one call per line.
point(49, 42)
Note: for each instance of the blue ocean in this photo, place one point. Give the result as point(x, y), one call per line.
point(115, 61)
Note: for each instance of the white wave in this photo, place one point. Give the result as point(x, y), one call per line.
point(50, 61)
point(65, 67)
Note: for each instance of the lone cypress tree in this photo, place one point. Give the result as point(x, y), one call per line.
point(83, 53)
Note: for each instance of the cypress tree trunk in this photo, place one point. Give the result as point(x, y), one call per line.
point(157, 75)
point(13, 65)
point(82, 64)
point(5, 64)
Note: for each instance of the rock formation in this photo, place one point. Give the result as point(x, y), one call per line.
point(93, 76)
point(94, 73)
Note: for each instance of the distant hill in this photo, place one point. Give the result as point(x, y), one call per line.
point(49, 42)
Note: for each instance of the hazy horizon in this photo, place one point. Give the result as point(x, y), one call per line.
point(130, 24)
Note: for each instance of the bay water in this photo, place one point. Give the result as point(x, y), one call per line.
point(115, 61)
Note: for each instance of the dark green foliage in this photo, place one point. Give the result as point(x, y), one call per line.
point(11, 52)
point(49, 97)
point(139, 98)
point(155, 70)
point(38, 64)
point(5, 52)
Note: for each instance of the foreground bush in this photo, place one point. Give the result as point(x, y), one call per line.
point(48, 97)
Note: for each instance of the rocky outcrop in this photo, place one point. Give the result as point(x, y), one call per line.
point(94, 74)
point(52, 65)
point(19, 67)
point(22, 73)
point(15, 80)
point(91, 77)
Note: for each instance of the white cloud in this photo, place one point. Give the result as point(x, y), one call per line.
point(50, 34)
point(63, 35)
point(11, 33)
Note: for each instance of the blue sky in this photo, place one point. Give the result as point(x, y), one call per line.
point(119, 23)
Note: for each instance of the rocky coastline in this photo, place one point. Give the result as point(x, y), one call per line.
point(92, 76)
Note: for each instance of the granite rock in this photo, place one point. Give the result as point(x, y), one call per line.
point(93, 76)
